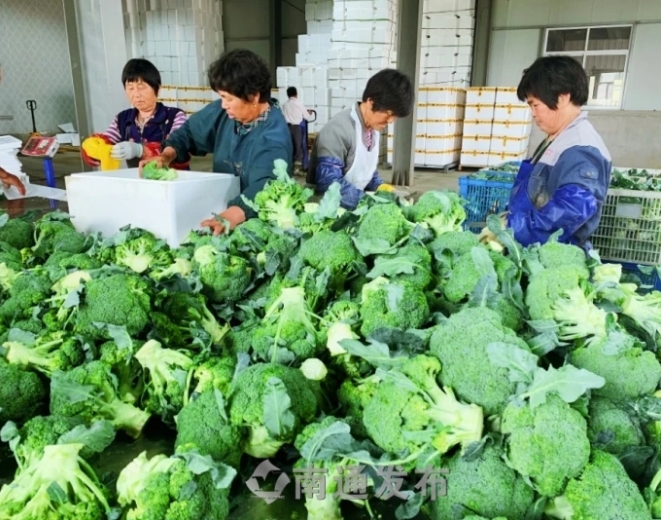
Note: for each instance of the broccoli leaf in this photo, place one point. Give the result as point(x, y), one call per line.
point(330, 203)
point(220, 401)
point(120, 336)
point(520, 363)
point(392, 267)
point(96, 438)
point(411, 507)
point(278, 417)
point(568, 382)
point(326, 443)
point(374, 246)
point(376, 354)
point(222, 475)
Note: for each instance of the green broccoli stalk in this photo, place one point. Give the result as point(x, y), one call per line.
point(603, 490)
point(89, 392)
point(645, 310)
point(168, 372)
point(409, 413)
point(60, 483)
point(46, 353)
point(152, 172)
point(578, 318)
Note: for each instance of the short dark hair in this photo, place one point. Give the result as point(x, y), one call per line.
point(390, 91)
point(291, 92)
point(138, 69)
point(242, 73)
point(550, 77)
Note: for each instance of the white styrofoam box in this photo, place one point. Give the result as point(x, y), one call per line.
point(507, 96)
point(441, 158)
point(282, 75)
point(437, 60)
point(436, 127)
point(420, 156)
point(476, 143)
point(508, 144)
point(511, 128)
point(106, 201)
point(479, 112)
point(474, 159)
point(438, 94)
point(512, 112)
point(307, 96)
point(445, 111)
point(495, 158)
point(321, 76)
point(449, 20)
point(322, 96)
point(476, 127)
point(440, 143)
point(481, 96)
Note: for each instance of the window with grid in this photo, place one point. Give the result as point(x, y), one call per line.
point(602, 51)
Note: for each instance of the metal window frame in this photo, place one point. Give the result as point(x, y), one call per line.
point(585, 53)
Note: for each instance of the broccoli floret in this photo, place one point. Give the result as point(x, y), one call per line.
point(153, 173)
point(578, 318)
point(22, 394)
point(203, 425)
point(38, 489)
point(408, 413)
point(442, 211)
point(29, 289)
point(225, 277)
point(453, 243)
point(484, 485)
point(555, 254)
point(548, 444)
point(89, 392)
point(354, 397)
point(411, 263)
point(215, 374)
point(282, 198)
point(548, 286)
point(629, 371)
point(464, 336)
point(164, 488)
point(287, 324)
point(250, 235)
point(130, 381)
point(142, 252)
point(47, 353)
point(383, 223)
point(331, 250)
point(179, 267)
point(465, 275)
point(168, 371)
point(398, 305)
point(612, 428)
point(190, 311)
point(80, 261)
point(118, 299)
point(643, 309)
point(17, 233)
point(41, 431)
point(252, 401)
point(57, 235)
point(603, 490)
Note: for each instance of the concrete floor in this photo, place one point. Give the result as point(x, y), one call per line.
point(66, 163)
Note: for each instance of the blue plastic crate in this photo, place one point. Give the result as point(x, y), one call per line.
point(485, 197)
point(648, 278)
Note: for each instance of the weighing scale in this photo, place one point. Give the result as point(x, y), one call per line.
point(46, 147)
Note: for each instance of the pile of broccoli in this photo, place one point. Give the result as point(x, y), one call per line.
point(383, 338)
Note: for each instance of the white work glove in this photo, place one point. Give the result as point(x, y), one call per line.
point(126, 150)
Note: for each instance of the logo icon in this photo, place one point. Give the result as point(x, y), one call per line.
point(262, 471)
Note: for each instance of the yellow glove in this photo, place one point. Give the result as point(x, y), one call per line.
point(98, 149)
point(385, 187)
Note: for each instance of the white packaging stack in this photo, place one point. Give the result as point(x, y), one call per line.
point(497, 127)
point(448, 28)
point(181, 38)
point(440, 116)
point(348, 41)
point(104, 202)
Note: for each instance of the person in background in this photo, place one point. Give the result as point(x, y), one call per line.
point(9, 179)
point(244, 130)
point(295, 112)
point(137, 133)
point(564, 185)
point(347, 148)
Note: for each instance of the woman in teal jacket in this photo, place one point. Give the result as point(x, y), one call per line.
point(245, 130)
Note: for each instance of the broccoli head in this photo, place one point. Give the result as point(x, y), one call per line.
point(22, 394)
point(548, 286)
point(548, 444)
point(17, 232)
point(554, 254)
point(612, 428)
point(225, 277)
point(442, 211)
point(273, 402)
point(383, 223)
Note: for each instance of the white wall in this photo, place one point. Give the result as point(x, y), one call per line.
point(34, 55)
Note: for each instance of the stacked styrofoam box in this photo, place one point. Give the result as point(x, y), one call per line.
point(496, 127)
point(181, 37)
point(439, 126)
point(447, 42)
